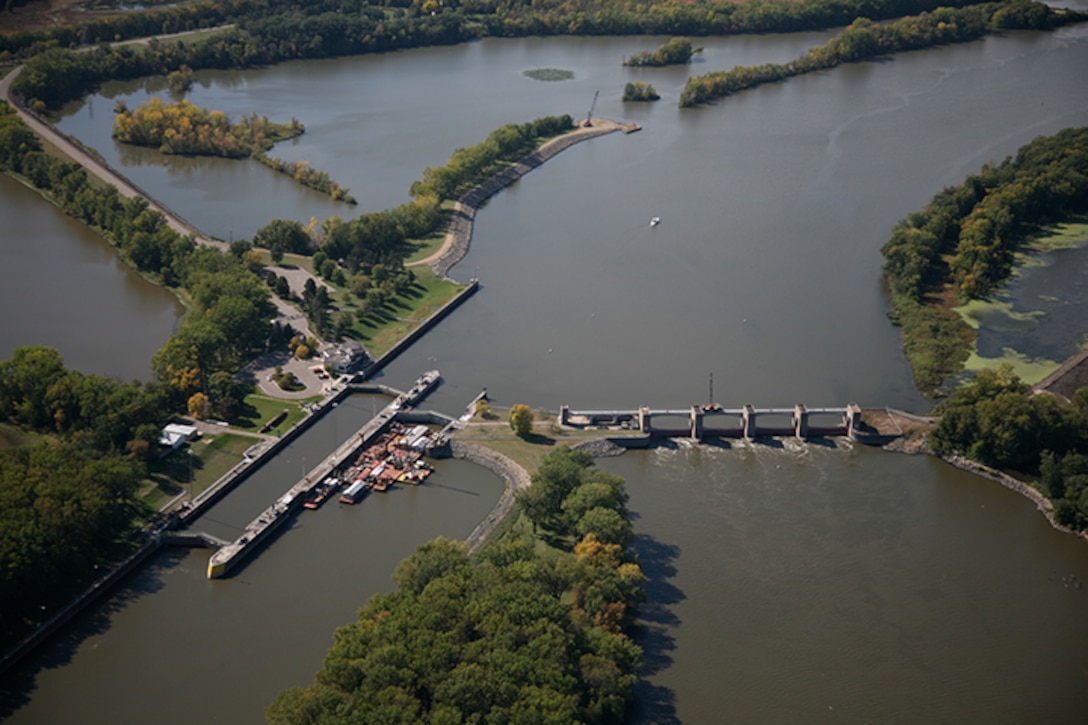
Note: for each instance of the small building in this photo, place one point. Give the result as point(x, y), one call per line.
point(176, 434)
point(345, 357)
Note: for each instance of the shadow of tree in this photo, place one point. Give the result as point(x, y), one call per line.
point(58, 650)
point(655, 703)
point(538, 439)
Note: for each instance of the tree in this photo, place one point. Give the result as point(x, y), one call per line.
point(434, 559)
point(607, 525)
point(521, 420)
point(198, 403)
point(281, 236)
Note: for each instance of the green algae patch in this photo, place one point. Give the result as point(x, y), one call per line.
point(1018, 333)
point(1030, 370)
point(998, 315)
point(1069, 235)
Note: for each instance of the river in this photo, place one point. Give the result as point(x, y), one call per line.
point(788, 582)
point(98, 312)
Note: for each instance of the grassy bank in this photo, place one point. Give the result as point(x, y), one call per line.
point(496, 434)
point(209, 458)
point(258, 409)
point(384, 328)
point(936, 341)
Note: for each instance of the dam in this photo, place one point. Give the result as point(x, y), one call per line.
point(714, 421)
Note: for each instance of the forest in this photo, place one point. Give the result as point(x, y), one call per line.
point(962, 246)
point(865, 39)
point(273, 31)
point(518, 633)
point(997, 421)
point(68, 505)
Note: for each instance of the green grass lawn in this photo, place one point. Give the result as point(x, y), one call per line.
point(379, 332)
point(497, 435)
point(257, 409)
point(212, 456)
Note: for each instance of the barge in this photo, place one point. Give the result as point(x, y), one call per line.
point(258, 530)
point(355, 492)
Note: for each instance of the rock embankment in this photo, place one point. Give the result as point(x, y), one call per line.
point(600, 448)
point(918, 443)
point(516, 478)
point(459, 234)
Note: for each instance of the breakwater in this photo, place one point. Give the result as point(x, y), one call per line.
point(459, 235)
point(515, 477)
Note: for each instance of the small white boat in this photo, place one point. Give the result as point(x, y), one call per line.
point(655, 221)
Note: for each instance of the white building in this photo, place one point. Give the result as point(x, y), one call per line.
point(175, 434)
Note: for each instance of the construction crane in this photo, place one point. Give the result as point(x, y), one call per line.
point(589, 116)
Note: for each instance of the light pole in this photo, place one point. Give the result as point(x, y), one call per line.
point(335, 440)
point(190, 452)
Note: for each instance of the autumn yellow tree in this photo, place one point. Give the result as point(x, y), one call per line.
point(198, 403)
point(521, 419)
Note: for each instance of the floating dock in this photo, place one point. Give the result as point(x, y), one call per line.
point(279, 512)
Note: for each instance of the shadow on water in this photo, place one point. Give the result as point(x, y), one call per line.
point(18, 684)
point(654, 703)
point(447, 487)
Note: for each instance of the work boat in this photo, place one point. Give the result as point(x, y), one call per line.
point(655, 221)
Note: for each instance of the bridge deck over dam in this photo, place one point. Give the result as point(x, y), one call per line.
point(713, 421)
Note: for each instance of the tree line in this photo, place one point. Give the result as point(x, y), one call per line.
point(68, 505)
point(962, 245)
point(864, 39)
point(472, 165)
point(231, 312)
point(515, 634)
point(307, 175)
point(273, 31)
point(997, 421)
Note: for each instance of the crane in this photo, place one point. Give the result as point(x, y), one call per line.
point(589, 116)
